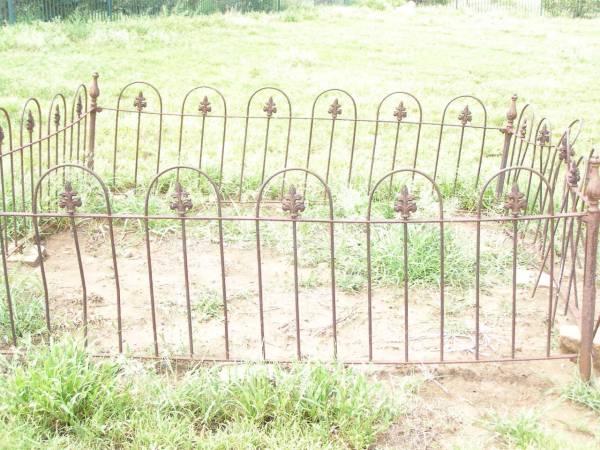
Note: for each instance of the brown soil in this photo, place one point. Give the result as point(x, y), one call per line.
point(279, 306)
point(456, 405)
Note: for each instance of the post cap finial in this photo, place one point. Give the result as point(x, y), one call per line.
point(511, 114)
point(94, 89)
point(592, 188)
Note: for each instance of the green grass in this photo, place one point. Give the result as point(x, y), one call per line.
point(208, 304)
point(586, 394)
point(28, 307)
point(58, 397)
point(525, 431)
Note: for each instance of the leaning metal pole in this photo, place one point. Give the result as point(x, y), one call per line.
point(592, 220)
point(508, 131)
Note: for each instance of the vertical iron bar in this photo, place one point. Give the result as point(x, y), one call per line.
point(187, 287)
point(296, 294)
point(405, 236)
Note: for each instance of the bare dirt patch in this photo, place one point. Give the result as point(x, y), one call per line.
point(315, 306)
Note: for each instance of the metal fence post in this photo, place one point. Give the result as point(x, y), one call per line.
point(94, 92)
point(588, 303)
point(109, 8)
point(508, 131)
point(11, 12)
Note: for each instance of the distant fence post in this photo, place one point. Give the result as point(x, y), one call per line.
point(508, 131)
point(588, 302)
point(109, 8)
point(94, 92)
point(11, 12)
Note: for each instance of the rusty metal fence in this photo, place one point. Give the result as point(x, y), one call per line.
point(267, 167)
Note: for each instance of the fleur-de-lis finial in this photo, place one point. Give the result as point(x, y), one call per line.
point(69, 199)
point(400, 112)
point(465, 116)
point(573, 176)
point(79, 106)
point(140, 102)
point(293, 203)
point(523, 130)
point(30, 123)
point(270, 107)
point(204, 107)
point(565, 152)
point(56, 116)
point(405, 203)
point(335, 109)
point(515, 201)
point(543, 136)
point(181, 200)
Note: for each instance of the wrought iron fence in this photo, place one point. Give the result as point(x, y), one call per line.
point(223, 170)
point(573, 8)
point(12, 11)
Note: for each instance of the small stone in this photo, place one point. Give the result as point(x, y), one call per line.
point(128, 253)
point(570, 340)
point(30, 256)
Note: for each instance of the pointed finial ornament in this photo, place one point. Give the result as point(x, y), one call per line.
point(293, 203)
point(573, 176)
point(30, 123)
point(69, 199)
point(515, 201)
point(335, 109)
point(94, 91)
point(204, 107)
point(270, 107)
point(140, 102)
point(543, 136)
point(400, 112)
point(56, 116)
point(511, 115)
point(465, 116)
point(181, 200)
point(523, 130)
point(79, 107)
point(592, 186)
point(405, 203)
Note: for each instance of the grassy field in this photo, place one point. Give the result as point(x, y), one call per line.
point(435, 54)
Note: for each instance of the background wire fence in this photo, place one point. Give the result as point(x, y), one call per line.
point(12, 11)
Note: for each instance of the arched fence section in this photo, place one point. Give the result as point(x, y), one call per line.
point(207, 235)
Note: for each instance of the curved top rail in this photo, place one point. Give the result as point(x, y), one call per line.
point(297, 200)
point(179, 189)
point(518, 206)
point(74, 166)
point(405, 202)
